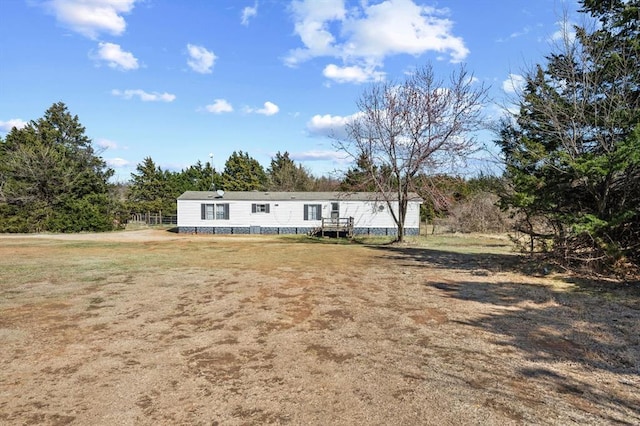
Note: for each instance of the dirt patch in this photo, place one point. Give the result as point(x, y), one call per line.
point(150, 327)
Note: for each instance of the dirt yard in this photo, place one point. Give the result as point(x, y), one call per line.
point(151, 327)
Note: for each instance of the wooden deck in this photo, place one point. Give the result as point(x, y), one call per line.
point(342, 226)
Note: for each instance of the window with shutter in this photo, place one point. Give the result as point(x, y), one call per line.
point(259, 208)
point(222, 211)
point(312, 211)
point(206, 211)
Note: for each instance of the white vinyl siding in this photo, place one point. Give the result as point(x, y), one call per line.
point(290, 213)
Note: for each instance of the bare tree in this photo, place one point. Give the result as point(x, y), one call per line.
point(415, 126)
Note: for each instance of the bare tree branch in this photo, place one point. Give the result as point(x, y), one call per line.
point(412, 127)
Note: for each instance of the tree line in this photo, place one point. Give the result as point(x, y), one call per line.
point(53, 180)
point(152, 189)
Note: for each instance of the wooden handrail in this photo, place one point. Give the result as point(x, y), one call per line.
point(337, 222)
point(340, 224)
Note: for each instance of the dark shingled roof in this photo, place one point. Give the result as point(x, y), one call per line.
point(283, 196)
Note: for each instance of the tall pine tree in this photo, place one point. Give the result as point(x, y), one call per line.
point(284, 175)
point(150, 189)
point(243, 173)
point(52, 179)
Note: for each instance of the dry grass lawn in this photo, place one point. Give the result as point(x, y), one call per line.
point(151, 327)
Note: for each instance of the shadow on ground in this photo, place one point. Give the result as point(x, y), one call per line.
point(591, 324)
point(557, 330)
point(481, 263)
point(417, 256)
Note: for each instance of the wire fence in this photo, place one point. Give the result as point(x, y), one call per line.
point(153, 219)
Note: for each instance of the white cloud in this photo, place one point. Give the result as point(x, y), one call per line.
point(91, 17)
point(401, 26)
point(329, 125)
point(248, 13)
point(144, 96)
point(312, 20)
point(106, 144)
point(7, 126)
point(321, 155)
point(118, 162)
point(115, 57)
point(516, 34)
point(526, 30)
point(219, 106)
point(269, 108)
point(566, 33)
point(201, 60)
point(362, 37)
point(514, 83)
point(352, 74)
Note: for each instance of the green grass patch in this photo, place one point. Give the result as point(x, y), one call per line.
point(467, 243)
point(457, 243)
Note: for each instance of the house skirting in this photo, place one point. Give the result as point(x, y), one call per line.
point(242, 230)
point(384, 231)
point(245, 230)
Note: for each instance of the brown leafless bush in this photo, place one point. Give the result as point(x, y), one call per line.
point(479, 213)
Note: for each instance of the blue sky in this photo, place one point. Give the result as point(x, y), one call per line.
point(178, 80)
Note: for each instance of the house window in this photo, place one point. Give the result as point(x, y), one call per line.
point(222, 211)
point(259, 208)
point(335, 211)
point(312, 211)
point(214, 211)
point(207, 211)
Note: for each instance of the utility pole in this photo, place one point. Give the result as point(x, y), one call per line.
point(213, 186)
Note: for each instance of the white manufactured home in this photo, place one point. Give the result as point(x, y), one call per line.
point(254, 212)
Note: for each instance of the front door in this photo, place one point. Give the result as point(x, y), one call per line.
point(335, 211)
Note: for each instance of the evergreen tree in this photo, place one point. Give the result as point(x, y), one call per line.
point(358, 178)
point(197, 177)
point(150, 189)
point(573, 152)
point(284, 175)
point(51, 179)
point(243, 173)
